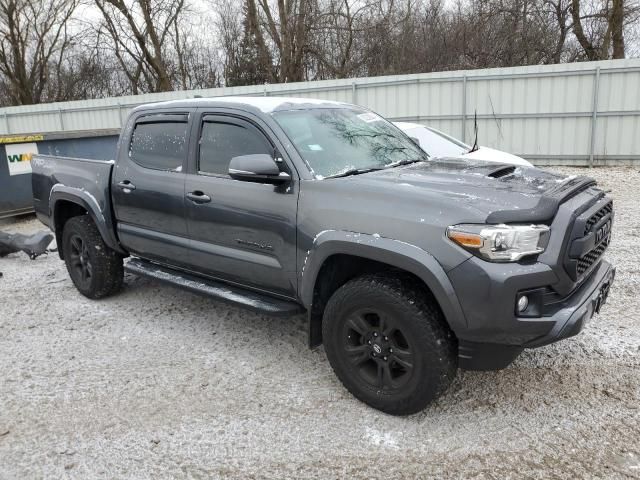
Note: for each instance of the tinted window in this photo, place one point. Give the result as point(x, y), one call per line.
point(161, 146)
point(221, 142)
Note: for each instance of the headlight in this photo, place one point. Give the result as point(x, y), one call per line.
point(500, 243)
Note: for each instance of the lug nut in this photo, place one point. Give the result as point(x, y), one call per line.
point(391, 350)
point(375, 334)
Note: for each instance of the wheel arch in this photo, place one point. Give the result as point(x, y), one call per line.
point(372, 253)
point(68, 202)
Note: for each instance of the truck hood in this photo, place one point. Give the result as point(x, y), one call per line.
point(502, 192)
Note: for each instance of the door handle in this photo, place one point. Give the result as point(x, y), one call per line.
point(198, 197)
point(126, 185)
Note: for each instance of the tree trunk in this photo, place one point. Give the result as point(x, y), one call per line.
point(616, 22)
point(590, 51)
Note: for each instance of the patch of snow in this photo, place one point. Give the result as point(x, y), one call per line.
point(381, 439)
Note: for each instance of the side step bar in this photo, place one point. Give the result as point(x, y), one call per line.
point(221, 291)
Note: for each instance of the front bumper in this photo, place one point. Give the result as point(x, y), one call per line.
point(584, 303)
point(496, 335)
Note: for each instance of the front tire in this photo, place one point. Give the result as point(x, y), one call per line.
point(388, 343)
point(95, 269)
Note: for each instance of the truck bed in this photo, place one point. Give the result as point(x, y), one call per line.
point(55, 179)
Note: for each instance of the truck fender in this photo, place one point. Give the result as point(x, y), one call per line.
point(87, 201)
point(401, 255)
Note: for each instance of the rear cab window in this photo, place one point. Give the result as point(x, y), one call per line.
point(159, 142)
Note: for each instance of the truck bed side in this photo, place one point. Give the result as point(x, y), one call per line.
point(64, 187)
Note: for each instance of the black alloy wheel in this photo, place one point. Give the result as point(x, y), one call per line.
point(377, 349)
point(79, 261)
point(95, 269)
point(388, 342)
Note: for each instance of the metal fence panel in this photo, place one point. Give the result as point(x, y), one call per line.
point(576, 113)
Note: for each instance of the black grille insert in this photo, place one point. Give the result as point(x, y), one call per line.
point(595, 218)
point(584, 263)
point(588, 239)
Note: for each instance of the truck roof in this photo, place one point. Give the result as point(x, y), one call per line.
point(264, 104)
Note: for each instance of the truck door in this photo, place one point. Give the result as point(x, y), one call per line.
point(148, 187)
point(242, 232)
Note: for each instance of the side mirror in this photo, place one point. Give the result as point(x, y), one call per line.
point(260, 167)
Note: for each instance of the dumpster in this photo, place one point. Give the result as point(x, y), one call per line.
point(15, 161)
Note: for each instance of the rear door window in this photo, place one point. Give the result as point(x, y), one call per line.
point(159, 145)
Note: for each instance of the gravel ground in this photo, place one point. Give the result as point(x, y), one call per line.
point(158, 383)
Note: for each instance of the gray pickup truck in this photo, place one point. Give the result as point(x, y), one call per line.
point(408, 267)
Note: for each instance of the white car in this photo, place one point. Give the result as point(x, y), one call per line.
point(439, 144)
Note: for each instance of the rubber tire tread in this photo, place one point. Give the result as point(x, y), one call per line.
point(440, 359)
point(108, 271)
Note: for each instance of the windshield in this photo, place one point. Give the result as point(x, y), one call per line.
point(337, 140)
point(437, 144)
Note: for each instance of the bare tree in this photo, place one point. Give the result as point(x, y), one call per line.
point(616, 22)
point(288, 25)
point(599, 26)
point(341, 36)
point(35, 38)
point(158, 45)
point(193, 52)
point(557, 11)
point(591, 50)
point(250, 60)
point(140, 30)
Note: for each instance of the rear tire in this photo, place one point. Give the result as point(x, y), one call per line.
point(95, 269)
point(388, 343)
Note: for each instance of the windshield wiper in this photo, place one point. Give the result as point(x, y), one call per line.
point(354, 171)
point(404, 162)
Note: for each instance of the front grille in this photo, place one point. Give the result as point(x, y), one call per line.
point(584, 263)
point(584, 250)
point(595, 218)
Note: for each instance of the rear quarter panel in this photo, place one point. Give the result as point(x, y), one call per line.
point(81, 181)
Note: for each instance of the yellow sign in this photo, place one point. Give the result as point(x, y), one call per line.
point(22, 139)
